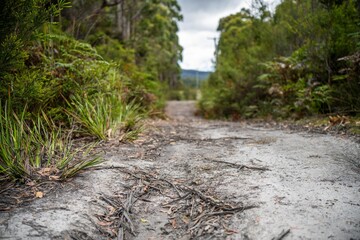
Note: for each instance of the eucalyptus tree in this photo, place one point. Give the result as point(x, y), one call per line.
point(148, 27)
point(156, 41)
point(300, 60)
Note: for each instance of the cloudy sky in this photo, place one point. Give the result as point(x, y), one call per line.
point(198, 29)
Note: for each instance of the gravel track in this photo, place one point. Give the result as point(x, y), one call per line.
point(304, 185)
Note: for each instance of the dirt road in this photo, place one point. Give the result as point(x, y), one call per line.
point(194, 179)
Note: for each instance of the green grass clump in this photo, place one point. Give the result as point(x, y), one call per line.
point(33, 149)
point(105, 117)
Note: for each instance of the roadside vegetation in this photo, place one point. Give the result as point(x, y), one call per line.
point(300, 60)
point(71, 70)
point(186, 89)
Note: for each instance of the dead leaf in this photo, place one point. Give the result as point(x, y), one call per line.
point(139, 141)
point(45, 171)
point(113, 231)
point(201, 209)
point(185, 219)
point(54, 178)
point(143, 220)
point(108, 132)
point(173, 223)
point(228, 230)
point(170, 211)
point(39, 194)
point(337, 120)
point(105, 224)
point(112, 210)
point(122, 137)
point(31, 183)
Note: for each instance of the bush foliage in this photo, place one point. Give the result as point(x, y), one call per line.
point(69, 67)
point(300, 60)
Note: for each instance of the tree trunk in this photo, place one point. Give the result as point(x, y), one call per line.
point(122, 21)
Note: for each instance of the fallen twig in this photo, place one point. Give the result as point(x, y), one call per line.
point(176, 200)
point(121, 233)
point(239, 166)
point(195, 211)
point(282, 235)
point(203, 196)
point(228, 212)
point(107, 167)
point(211, 139)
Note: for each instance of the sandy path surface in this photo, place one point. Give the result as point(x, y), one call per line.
point(190, 178)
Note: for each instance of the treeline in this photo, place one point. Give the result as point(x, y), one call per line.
point(301, 60)
point(80, 68)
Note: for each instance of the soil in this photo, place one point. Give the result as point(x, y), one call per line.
point(189, 178)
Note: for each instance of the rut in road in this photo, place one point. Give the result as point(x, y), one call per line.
point(189, 178)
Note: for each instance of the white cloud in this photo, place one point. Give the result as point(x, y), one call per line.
point(198, 49)
point(201, 18)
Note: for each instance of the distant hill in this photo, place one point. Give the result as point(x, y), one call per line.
point(202, 75)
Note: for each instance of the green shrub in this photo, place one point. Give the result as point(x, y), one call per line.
point(19, 22)
point(309, 66)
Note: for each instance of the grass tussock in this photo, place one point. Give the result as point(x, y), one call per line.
point(36, 148)
point(106, 117)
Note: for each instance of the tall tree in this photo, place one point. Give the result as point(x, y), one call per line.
point(148, 27)
point(292, 62)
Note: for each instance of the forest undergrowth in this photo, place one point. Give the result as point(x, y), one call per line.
point(69, 71)
point(299, 61)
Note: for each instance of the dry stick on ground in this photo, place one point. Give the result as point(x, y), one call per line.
point(199, 222)
point(203, 196)
point(152, 178)
point(217, 208)
point(205, 214)
point(210, 139)
point(282, 235)
point(138, 191)
point(239, 166)
point(123, 211)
